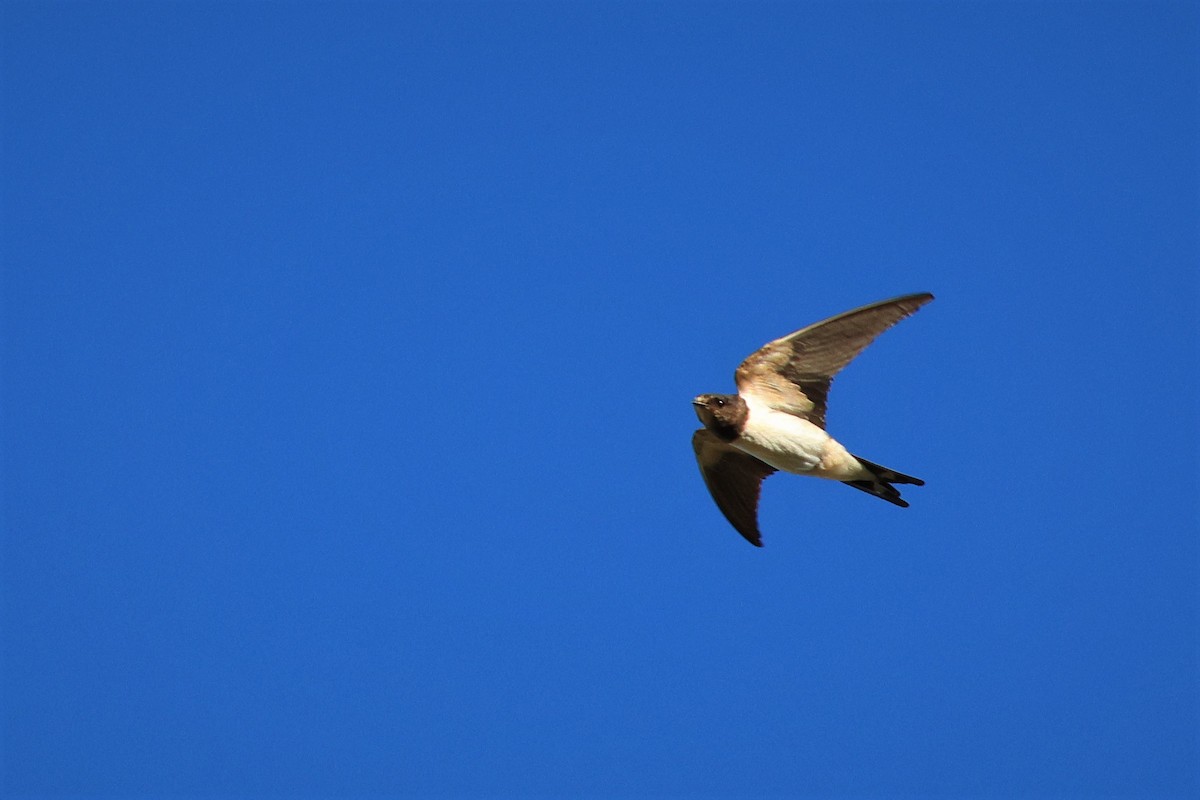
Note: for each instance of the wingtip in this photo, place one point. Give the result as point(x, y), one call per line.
point(753, 537)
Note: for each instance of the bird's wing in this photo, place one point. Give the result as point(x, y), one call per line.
point(793, 374)
point(733, 479)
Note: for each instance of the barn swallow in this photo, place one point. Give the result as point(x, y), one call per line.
point(776, 421)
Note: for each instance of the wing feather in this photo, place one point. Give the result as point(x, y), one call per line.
point(793, 373)
point(734, 480)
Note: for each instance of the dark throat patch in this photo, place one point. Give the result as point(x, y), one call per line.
point(728, 421)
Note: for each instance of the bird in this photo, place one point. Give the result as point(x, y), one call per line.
point(776, 421)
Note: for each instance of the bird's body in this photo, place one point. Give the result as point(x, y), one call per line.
point(793, 444)
point(776, 421)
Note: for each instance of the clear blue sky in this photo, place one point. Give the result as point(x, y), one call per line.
point(348, 352)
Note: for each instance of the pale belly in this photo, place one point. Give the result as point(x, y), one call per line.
point(792, 444)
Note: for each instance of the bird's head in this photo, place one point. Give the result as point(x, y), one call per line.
point(723, 414)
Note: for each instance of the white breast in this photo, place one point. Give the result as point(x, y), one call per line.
point(782, 440)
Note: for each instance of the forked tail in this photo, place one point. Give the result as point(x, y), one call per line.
point(881, 482)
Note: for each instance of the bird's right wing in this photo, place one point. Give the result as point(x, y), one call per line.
point(733, 479)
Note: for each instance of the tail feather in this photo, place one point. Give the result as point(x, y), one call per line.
point(881, 482)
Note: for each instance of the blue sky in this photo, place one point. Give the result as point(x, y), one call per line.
point(348, 352)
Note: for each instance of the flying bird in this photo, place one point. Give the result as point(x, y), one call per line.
point(776, 421)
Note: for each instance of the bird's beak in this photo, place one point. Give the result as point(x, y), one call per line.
point(696, 401)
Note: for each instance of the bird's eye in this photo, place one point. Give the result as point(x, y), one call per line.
point(720, 402)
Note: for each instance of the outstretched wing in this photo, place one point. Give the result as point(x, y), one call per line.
point(793, 374)
point(733, 479)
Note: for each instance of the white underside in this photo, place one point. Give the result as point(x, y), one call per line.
point(796, 445)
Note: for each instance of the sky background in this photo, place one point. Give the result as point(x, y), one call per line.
point(348, 352)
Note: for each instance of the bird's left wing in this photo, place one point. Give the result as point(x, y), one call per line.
point(733, 479)
point(793, 373)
